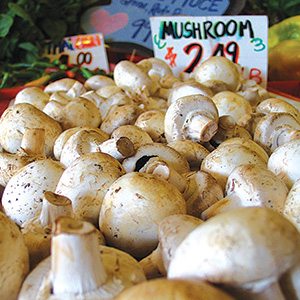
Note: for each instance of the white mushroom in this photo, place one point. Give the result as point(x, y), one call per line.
point(133, 79)
point(246, 249)
point(34, 96)
point(152, 121)
point(191, 117)
point(79, 268)
point(202, 191)
point(37, 231)
point(81, 142)
point(21, 116)
point(32, 148)
point(120, 115)
point(284, 162)
point(221, 162)
point(106, 97)
point(165, 289)
point(192, 151)
point(76, 90)
point(124, 142)
point(86, 181)
point(250, 185)
point(275, 105)
point(227, 129)
point(97, 81)
point(276, 129)
point(188, 89)
point(174, 159)
point(14, 259)
point(218, 68)
point(23, 195)
point(234, 105)
point(136, 135)
point(172, 230)
point(292, 205)
point(74, 113)
point(61, 85)
point(132, 208)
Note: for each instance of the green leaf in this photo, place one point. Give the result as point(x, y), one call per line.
point(5, 24)
point(20, 12)
point(29, 47)
point(55, 29)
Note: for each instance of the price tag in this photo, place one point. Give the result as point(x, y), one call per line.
point(185, 42)
point(128, 20)
point(86, 50)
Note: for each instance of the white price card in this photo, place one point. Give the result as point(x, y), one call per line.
point(85, 50)
point(184, 42)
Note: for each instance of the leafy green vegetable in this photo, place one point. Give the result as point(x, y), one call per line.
point(27, 25)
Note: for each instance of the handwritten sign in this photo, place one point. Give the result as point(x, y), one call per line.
point(185, 42)
point(128, 20)
point(86, 50)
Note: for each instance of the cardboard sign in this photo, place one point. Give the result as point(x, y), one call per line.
point(185, 42)
point(86, 50)
point(128, 20)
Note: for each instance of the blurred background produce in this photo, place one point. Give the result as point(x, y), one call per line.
point(27, 25)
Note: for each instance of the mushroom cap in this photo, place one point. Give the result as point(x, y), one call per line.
point(122, 269)
point(221, 162)
point(120, 115)
point(292, 205)
point(218, 68)
point(173, 158)
point(203, 191)
point(97, 81)
point(152, 121)
point(234, 105)
point(65, 135)
point(165, 289)
point(192, 151)
point(249, 144)
point(81, 142)
point(132, 208)
point(183, 89)
point(268, 125)
point(76, 112)
point(155, 67)
point(135, 134)
point(244, 246)
point(34, 96)
point(284, 162)
point(131, 78)
point(86, 181)
point(23, 194)
point(17, 118)
point(253, 185)
point(172, 230)
point(275, 105)
point(61, 85)
point(14, 259)
point(178, 112)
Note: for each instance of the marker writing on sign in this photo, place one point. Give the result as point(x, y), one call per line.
point(205, 30)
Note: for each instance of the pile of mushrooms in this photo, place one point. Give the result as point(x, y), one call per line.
point(151, 185)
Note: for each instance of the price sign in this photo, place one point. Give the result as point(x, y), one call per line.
point(128, 20)
point(85, 50)
point(185, 42)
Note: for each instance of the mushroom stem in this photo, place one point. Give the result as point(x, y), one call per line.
point(284, 135)
point(76, 265)
point(33, 141)
point(199, 127)
point(161, 169)
point(54, 206)
point(120, 148)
